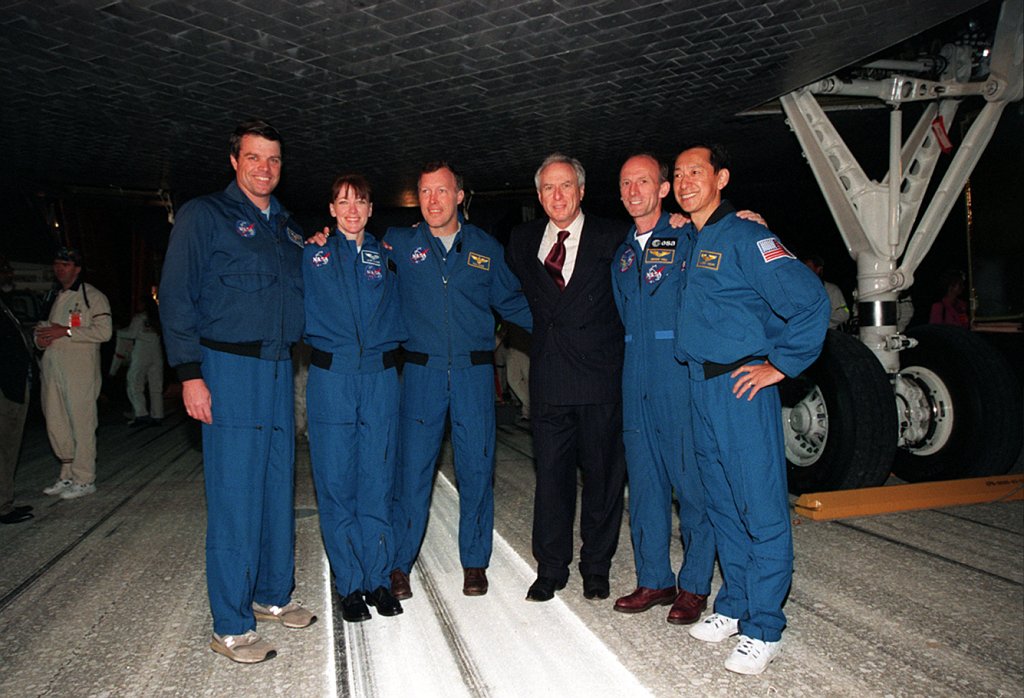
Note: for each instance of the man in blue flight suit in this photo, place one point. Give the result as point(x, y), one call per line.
point(750, 315)
point(656, 427)
point(231, 307)
point(452, 277)
point(354, 325)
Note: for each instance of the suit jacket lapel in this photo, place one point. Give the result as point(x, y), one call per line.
point(586, 258)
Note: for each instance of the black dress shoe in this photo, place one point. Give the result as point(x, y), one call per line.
point(474, 581)
point(23, 509)
point(353, 608)
point(386, 604)
point(16, 516)
point(544, 589)
point(595, 586)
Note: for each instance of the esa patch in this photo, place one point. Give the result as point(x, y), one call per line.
point(245, 229)
point(771, 249)
point(370, 258)
point(296, 238)
point(321, 258)
point(374, 273)
point(418, 255)
point(709, 260)
point(659, 255)
point(479, 261)
point(627, 259)
point(654, 274)
point(663, 243)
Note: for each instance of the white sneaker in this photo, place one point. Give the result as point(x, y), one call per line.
point(752, 656)
point(58, 487)
point(75, 491)
point(715, 628)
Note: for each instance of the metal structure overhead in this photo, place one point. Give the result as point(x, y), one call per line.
point(141, 94)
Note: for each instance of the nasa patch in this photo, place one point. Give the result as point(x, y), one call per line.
point(654, 274)
point(418, 255)
point(245, 229)
point(374, 273)
point(627, 259)
point(321, 258)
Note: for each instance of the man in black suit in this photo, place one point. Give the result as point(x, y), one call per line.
point(576, 354)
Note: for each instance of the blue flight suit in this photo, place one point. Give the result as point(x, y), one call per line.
point(655, 414)
point(746, 298)
point(231, 308)
point(448, 301)
point(354, 324)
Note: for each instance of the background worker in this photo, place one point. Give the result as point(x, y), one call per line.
point(77, 323)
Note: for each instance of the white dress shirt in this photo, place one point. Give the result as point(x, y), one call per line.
point(572, 244)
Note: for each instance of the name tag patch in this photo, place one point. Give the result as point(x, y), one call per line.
point(479, 261)
point(296, 238)
point(709, 260)
point(370, 258)
point(659, 255)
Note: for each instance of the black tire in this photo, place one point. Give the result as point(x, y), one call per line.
point(852, 440)
point(981, 433)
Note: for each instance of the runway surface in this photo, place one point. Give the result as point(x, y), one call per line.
point(106, 596)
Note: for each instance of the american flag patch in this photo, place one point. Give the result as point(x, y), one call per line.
point(771, 249)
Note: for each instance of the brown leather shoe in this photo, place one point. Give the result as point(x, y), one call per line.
point(687, 608)
point(643, 598)
point(474, 581)
point(400, 587)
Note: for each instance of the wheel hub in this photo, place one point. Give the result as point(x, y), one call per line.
point(805, 427)
point(925, 409)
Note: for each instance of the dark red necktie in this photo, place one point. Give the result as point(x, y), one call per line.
point(556, 259)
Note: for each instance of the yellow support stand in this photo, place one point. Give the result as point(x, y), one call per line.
point(825, 506)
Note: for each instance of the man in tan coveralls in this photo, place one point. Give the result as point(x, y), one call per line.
point(79, 321)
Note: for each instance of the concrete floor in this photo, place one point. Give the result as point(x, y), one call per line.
point(105, 596)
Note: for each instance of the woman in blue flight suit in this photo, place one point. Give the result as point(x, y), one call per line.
point(354, 326)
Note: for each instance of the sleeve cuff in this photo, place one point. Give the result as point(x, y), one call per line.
point(189, 371)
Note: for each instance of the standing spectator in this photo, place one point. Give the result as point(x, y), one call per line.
point(750, 315)
point(575, 380)
point(231, 308)
point(145, 365)
point(453, 278)
point(78, 322)
point(951, 309)
point(15, 381)
point(840, 310)
point(353, 325)
point(648, 273)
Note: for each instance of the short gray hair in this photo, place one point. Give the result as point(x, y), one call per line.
point(576, 165)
